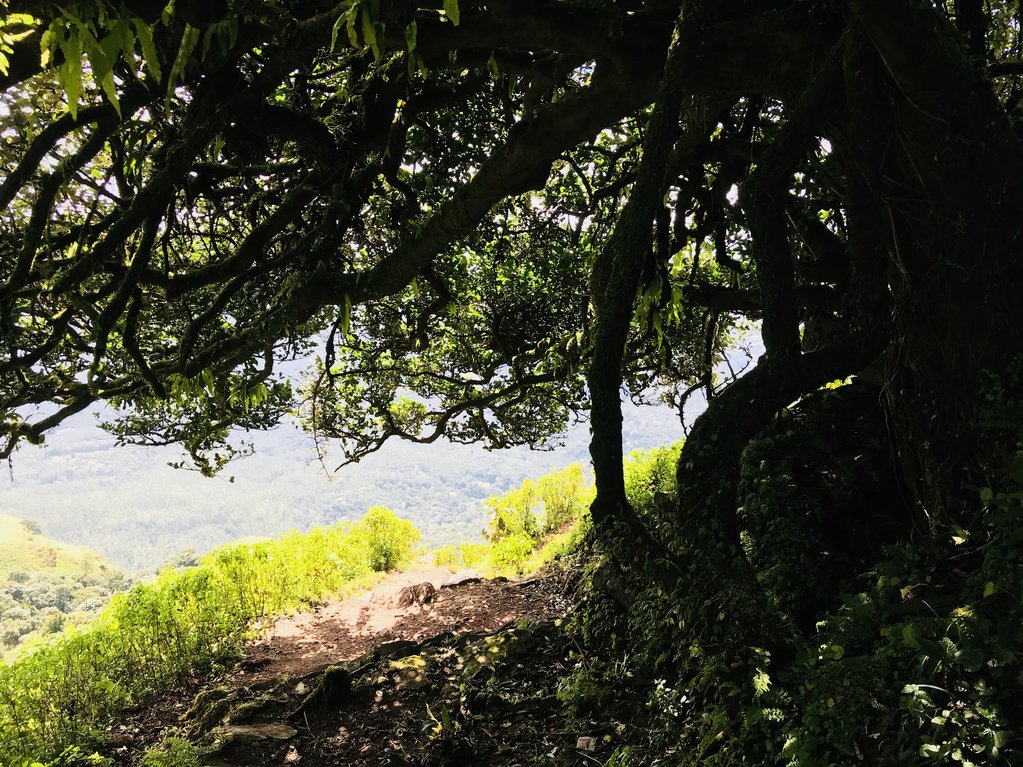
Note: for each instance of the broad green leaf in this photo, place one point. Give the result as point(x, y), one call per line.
point(451, 11)
point(71, 72)
point(207, 40)
point(101, 62)
point(350, 17)
point(334, 32)
point(369, 33)
point(109, 87)
point(45, 43)
point(118, 42)
point(189, 39)
point(411, 32)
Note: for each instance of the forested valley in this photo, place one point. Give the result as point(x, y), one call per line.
point(134, 510)
point(481, 222)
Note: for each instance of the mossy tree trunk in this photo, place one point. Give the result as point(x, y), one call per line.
point(933, 182)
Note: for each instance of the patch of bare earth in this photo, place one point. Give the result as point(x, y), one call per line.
point(426, 669)
point(344, 630)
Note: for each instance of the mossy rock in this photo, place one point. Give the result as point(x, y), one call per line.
point(490, 653)
point(209, 709)
point(265, 706)
point(820, 498)
point(225, 706)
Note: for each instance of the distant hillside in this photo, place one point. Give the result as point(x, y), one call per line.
point(127, 504)
point(46, 584)
point(24, 549)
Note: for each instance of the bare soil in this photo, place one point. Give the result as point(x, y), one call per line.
point(342, 631)
point(468, 677)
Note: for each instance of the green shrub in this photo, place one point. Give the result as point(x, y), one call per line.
point(566, 495)
point(447, 556)
point(389, 540)
point(538, 508)
point(64, 690)
point(473, 555)
point(173, 752)
point(650, 473)
point(529, 525)
point(511, 552)
point(463, 556)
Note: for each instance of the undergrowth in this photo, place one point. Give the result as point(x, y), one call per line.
point(529, 526)
point(900, 647)
point(61, 693)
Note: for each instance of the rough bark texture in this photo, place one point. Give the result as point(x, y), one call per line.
point(951, 185)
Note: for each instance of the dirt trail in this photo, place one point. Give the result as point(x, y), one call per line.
point(461, 606)
point(343, 630)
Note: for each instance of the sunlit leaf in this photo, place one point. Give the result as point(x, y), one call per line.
point(144, 33)
point(451, 11)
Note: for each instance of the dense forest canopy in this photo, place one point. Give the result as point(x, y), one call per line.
point(424, 196)
point(471, 207)
point(489, 217)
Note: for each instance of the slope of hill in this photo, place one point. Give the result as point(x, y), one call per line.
point(23, 548)
point(45, 584)
point(130, 506)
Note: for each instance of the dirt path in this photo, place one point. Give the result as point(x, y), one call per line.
point(422, 605)
point(342, 631)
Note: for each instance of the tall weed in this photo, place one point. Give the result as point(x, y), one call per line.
point(61, 692)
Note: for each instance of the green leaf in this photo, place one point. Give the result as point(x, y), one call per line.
point(411, 33)
point(71, 72)
point(336, 30)
point(45, 45)
point(144, 33)
point(369, 33)
point(350, 17)
point(451, 11)
point(109, 87)
point(189, 39)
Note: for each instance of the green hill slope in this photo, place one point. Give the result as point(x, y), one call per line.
point(45, 584)
point(24, 549)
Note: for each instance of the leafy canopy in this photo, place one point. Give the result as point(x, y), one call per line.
point(195, 193)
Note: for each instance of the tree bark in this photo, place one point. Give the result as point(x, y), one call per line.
point(950, 185)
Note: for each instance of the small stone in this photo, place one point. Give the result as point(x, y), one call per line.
point(420, 594)
point(586, 743)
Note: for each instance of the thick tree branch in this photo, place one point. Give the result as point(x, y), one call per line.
point(765, 196)
point(615, 280)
